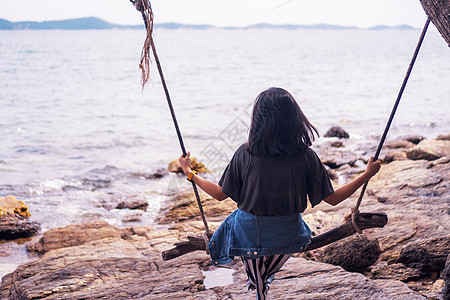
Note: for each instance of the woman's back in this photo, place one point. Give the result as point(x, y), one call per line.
point(275, 185)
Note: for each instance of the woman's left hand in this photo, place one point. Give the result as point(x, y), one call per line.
point(185, 163)
point(373, 167)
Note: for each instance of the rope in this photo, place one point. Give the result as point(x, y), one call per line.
point(144, 7)
point(355, 210)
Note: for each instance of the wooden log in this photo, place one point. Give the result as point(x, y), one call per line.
point(439, 13)
point(364, 221)
point(181, 248)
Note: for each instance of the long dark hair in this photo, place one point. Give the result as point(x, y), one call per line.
point(279, 126)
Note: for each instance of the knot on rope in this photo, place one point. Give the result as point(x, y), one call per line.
point(355, 212)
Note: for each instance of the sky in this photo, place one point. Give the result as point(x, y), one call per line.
point(360, 13)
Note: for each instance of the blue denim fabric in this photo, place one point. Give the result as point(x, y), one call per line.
point(245, 234)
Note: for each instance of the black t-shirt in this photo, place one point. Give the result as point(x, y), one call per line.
point(275, 186)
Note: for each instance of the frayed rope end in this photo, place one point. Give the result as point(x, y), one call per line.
point(145, 8)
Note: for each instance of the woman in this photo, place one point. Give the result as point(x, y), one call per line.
point(270, 178)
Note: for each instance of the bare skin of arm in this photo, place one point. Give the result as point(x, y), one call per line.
point(211, 188)
point(342, 193)
point(347, 190)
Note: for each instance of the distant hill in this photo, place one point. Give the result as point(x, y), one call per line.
point(72, 24)
point(384, 27)
point(295, 27)
point(184, 26)
point(96, 23)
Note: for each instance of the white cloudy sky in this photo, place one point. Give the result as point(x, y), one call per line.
point(361, 13)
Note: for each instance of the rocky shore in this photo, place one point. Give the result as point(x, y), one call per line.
point(407, 259)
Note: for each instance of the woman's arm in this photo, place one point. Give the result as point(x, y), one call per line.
point(347, 190)
point(211, 188)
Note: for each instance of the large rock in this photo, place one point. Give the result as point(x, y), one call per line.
point(74, 235)
point(9, 205)
point(185, 208)
point(354, 253)
point(14, 221)
point(110, 268)
point(430, 150)
point(301, 279)
point(15, 227)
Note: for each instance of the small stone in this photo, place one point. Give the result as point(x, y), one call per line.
point(134, 217)
point(133, 203)
point(335, 158)
point(399, 144)
point(440, 161)
point(337, 131)
point(395, 271)
point(415, 139)
point(444, 137)
point(175, 167)
point(158, 174)
point(438, 285)
point(154, 175)
point(9, 205)
point(337, 144)
point(141, 230)
point(382, 199)
point(5, 253)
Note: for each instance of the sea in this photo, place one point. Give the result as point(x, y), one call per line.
point(78, 131)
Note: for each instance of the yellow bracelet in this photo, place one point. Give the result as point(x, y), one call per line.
point(191, 175)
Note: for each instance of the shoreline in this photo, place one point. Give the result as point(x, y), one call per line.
point(414, 193)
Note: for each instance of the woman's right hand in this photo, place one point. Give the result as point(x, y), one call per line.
point(185, 162)
point(373, 167)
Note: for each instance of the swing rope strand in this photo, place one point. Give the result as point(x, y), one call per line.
point(145, 8)
point(355, 210)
